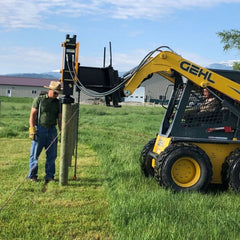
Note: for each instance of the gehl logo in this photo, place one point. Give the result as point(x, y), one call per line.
point(197, 71)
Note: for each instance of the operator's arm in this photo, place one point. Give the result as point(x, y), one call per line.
point(32, 118)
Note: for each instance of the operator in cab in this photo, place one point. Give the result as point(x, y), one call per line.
point(210, 104)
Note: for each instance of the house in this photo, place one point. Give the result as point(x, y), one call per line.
point(157, 89)
point(22, 86)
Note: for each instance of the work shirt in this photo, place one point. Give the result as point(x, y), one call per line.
point(210, 105)
point(49, 110)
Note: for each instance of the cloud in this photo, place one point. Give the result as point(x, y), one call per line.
point(155, 9)
point(36, 13)
point(22, 60)
point(18, 14)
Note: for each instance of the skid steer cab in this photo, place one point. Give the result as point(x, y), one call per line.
point(198, 142)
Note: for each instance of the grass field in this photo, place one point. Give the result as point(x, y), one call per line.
point(111, 199)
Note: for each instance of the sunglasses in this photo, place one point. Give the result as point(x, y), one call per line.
point(55, 93)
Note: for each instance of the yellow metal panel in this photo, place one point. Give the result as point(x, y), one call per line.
point(76, 61)
point(160, 144)
point(217, 154)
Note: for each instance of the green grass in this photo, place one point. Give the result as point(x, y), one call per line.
point(111, 199)
point(76, 211)
point(14, 114)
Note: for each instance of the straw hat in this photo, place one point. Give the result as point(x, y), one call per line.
point(55, 86)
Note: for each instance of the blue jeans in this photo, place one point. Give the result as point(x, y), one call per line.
point(45, 137)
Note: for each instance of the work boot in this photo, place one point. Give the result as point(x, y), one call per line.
point(50, 180)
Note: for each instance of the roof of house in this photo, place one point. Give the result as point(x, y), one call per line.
point(24, 81)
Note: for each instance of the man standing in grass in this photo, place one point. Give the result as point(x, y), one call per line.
point(45, 115)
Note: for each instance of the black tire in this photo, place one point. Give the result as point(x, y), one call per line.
point(146, 160)
point(231, 171)
point(183, 167)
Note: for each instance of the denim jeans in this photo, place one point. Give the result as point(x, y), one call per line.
point(45, 137)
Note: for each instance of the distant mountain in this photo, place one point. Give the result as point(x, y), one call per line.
point(224, 66)
point(56, 75)
point(48, 75)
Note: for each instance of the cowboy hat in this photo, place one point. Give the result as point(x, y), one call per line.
point(55, 86)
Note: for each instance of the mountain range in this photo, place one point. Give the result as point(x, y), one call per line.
point(47, 75)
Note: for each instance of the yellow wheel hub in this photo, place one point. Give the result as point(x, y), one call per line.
point(185, 172)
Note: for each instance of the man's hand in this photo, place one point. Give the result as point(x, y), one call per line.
point(32, 133)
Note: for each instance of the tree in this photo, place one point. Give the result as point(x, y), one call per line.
point(231, 39)
point(236, 65)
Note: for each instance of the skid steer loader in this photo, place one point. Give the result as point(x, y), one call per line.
point(195, 148)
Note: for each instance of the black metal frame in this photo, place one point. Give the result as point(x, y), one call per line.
point(101, 80)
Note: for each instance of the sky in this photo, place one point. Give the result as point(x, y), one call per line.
point(32, 31)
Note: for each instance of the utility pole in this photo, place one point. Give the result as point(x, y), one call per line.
point(70, 68)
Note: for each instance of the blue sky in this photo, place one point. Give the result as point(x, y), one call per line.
point(31, 31)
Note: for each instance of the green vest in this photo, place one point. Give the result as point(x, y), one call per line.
point(49, 110)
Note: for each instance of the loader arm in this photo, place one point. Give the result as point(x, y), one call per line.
point(166, 63)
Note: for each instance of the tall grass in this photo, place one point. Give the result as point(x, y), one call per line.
point(112, 200)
